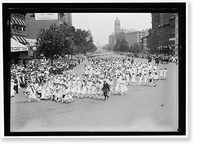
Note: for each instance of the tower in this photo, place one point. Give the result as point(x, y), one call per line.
point(117, 26)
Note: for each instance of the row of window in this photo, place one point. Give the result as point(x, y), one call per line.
point(18, 28)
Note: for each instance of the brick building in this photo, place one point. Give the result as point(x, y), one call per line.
point(162, 34)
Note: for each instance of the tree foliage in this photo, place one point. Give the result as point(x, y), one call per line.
point(121, 45)
point(135, 48)
point(58, 41)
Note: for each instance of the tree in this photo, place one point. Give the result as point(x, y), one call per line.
point(47, 43)
point(59, 41)
point(107, 47)
point(124, 47)
point(121, 45)
point(135, 48)
point(117, 45)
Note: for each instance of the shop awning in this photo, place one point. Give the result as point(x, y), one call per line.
point(20, 39)
point(14, 20)
point(17, 21)
point(17, 47)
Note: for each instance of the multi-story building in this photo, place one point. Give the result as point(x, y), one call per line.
point(150, 40)
point(18, 34)
point(161, 32)
point(134, 37)
point(176, 34)
point(37, 21)
point(112, 40)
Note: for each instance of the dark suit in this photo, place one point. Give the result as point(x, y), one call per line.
point(106, 89)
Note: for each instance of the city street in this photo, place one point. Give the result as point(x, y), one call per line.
point(144, 108)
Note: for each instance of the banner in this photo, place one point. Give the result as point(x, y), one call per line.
point(46, 16)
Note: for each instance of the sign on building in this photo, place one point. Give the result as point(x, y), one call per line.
point(46, 16)
point(18, 49)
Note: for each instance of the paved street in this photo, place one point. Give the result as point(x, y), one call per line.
point(144, 108)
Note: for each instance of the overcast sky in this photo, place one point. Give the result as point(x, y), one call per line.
point(102, 24)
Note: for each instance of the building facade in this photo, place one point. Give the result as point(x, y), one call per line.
point(18, 33)
point(37, 21)
point(112, 40)
point(163, 32)
point(144, 43)
point(135, 37)
point(176, 34)
point(18, 27)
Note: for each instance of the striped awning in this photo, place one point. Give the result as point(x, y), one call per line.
point(20, 39)
point(14, 20)
point(17, 21)
point(16, 46)
point(24, 23)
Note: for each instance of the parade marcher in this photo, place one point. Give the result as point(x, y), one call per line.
point(31, 93)
point(79, 88)
point(145, 79)
point(84, 89)
point(12, 91)
point(161, 74)
point(16, 85)
point(165, 73)
point(118, 87)
point(93, 90)
point(150, 79)
point(155, 79)
point(133, 78)
point(141, 78)
point(124, 88)
point(105, 89)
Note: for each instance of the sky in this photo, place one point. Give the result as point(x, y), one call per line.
point(102, 24)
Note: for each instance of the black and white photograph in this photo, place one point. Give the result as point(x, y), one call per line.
point(95, 69)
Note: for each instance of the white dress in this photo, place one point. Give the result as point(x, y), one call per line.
point(141, 79)
point(79, 87)
point(165, 73)
point(123, 86)
point(12, 91)
point(89, 86)
point(161, 73)
point(133, 78)
point(93, 89)
point(145, 79)
point(44, 93)
point(117, 87)
point(32, 94)
point(127, 78)
point(84, 91)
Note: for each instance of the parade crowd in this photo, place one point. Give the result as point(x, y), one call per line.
point(102, 77)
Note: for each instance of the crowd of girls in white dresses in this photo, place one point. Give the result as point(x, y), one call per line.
point(119, 73)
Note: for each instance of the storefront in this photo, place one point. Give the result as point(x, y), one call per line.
point(19, 52)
